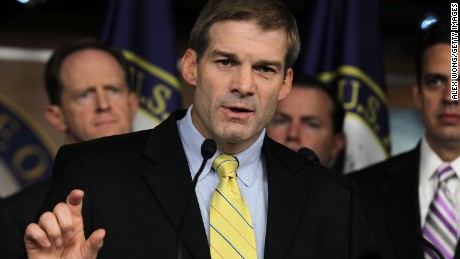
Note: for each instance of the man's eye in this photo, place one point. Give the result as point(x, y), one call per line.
point(83, 95)
point(225, 62)
point(434, 82)
point(279, 121)
point(265, 69)
point(114, 90)
point(313, 125)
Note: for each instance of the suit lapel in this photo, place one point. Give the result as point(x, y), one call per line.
point(170, 181)
point(400, 196)
point(402, 191)
point(457, 251)
point(286, 200)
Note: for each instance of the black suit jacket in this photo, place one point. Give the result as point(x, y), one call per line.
point(393, 186)
point(137, 186)
point(18, 211)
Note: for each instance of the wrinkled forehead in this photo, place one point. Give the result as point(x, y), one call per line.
point(229, 34)
point(305, 100)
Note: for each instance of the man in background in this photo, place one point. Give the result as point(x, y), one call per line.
point(310, 116)
point(90, 96)
point(419, 189)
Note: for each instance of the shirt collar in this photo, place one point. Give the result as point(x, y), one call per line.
point(430, 162)
point(249, 160)
point(192, 140)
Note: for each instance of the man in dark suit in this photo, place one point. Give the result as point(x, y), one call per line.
point(87, 83)
point(136, 187)
point(408, 186)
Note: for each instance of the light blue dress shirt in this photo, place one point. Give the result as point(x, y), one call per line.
point(251, 175)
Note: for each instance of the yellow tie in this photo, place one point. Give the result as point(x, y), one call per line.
point(231, 230)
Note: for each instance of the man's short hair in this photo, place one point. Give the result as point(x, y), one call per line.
point(53, 83)
point(311, 82)
point(268, 14)
point(439, 32)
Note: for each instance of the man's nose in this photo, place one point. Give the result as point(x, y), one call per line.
point(243, 82)
point(293, 131)
point(102, 101)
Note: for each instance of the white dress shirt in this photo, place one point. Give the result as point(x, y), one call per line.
point(428, 180)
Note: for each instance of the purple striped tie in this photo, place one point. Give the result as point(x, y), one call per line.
point(441, 222)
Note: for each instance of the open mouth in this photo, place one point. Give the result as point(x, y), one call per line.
point(236, 109)
point(238, 112)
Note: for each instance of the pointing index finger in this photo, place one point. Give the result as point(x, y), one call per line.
point(75, 202)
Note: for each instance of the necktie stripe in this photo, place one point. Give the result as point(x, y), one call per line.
point(431, 237)
point(235, 190)
point(431, 254)
point(444, 221)
point(229, 222)
point(438, 245)
point(436, 229)
point(445, 206)
point(226, 240)
point(215, 250)
point(236, 210)
point(441, 221)
point(224, 161)
point(231, 230)
point(236, 193)
point(444, 170)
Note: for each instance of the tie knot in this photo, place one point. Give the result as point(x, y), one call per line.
point(445, 172)
point(225, 165)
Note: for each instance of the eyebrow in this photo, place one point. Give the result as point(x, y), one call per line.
point(287, 116)
point(268, 63)
point(435, 75)
point(219, 53)
point(279, 113)
point(232, 56)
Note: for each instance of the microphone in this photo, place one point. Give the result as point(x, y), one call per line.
point(208, 149)
point(309, 158)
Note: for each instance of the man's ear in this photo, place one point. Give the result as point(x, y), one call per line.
point(133, 105)
point(417, 95)
point(189, 67)
point(338, 145)
point(54, 116)
point(287, 84)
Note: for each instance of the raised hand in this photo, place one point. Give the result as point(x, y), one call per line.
point(59, 234)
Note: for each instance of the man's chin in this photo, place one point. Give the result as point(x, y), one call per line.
point(105, 133)
point(236, 136)
point(293, 147)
